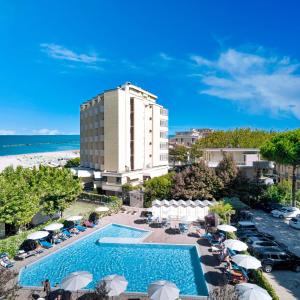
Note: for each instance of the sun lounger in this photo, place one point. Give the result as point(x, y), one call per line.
point(88, 224)
point(45, 244)
point(21, 255)
point(5, 261)
point(80, 228)
point(231, 252)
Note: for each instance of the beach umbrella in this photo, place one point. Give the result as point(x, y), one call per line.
point(37, 235)
point(246, 261)
point(54, 227)
point(236, 245)
point(74, 218)
point(163, 290)
point(226, 228)
point(249, 291)
point(102, 209)
point(76, 281)
point(115, 284)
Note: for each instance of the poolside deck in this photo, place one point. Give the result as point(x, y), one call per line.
point(213, 275)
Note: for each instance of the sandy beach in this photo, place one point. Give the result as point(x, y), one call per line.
point(30, 160)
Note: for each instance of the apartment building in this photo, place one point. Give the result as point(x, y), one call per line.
point(188, 138)
point(284, 172)
point(248, 160)
point(123, 138)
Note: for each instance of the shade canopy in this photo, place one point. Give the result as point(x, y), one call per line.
point(226, 228)
point(163, 290)
point(236, 245)
point(101, 209)
point(74, 218)
point(54, 226)
point(246, 261)
point(249, 291)
point(76, 281)
point(115, 284)
point(37, 235)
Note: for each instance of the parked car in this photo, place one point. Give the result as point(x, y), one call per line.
point(258, 242)
point(285, 212)
point(242, 225)
point(295, 222)
point(244, 236)
point(269, 206)
point(276, 258)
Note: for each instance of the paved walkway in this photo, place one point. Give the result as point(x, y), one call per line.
point(213, 275)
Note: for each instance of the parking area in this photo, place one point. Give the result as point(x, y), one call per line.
point(286, 283)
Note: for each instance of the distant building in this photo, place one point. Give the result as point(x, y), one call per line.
point(188, 138)
point(248, 160)
point(284, 172)
point(123, 138)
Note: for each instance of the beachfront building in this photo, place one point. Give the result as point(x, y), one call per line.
point(248, 160)
point(188, 138)
point(284, 172)
point(123, 138)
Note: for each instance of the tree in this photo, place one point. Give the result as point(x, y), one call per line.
point(284, 148)
point(158, 188)
point(280, 192)
point(223, 210)
point(179, 153)
point(8, 284)
point(72, 163)
point(196, 182)
point(18, 199)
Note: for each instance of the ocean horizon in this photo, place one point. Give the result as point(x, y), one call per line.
point(25, 144)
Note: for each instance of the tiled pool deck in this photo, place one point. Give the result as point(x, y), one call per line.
point(158, 235)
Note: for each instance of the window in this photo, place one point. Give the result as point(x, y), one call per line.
point(273, 256)
point(118, 180)
point(104, 178)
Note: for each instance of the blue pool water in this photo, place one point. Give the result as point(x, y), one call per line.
point(141, 264)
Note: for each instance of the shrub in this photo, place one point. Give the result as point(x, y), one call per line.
point(72, 163)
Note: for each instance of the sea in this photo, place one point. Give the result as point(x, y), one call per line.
point(23, 144)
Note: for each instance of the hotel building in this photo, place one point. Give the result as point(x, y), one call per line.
point(123, 138)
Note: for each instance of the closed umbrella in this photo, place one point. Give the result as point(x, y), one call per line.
point(54, 227)
point(246, 261)
point(102, 209)
point(115, 284)
point(236, 245)
point(163, 290)
point(249, 291)
point(37, 235)
point(226, 228)
point(76, 281)
point(74, 218)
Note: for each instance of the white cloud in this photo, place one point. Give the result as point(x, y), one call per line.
point(7, 132)
point(60, 52)
point(46, 131)
point(255, 80)
point(165, 56)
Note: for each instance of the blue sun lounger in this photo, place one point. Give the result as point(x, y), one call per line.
point(45, 244)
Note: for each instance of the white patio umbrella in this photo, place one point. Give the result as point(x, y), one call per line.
point(236, 245)
point(249, 291)
point(115, 284)
point(101, 209)
point(246, 261)
point(76, 281)
point(37, 235)
point(74, 218)
point(226, 228)
point(53, 226)
point(163, 290)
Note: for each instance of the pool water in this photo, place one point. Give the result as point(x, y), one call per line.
point(140, 263)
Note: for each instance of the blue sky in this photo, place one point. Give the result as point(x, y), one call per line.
point(219, 64)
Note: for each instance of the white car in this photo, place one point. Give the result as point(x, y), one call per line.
point(295, 222)
point(286, 212)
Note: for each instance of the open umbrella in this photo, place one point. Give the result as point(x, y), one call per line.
point(249, 291)
point(246, 261)
point(76, 281)
point(101, 209)
point(115, 284)
point(37, 235)
point(74, 218)
point(54, 227)
point(236, 245)
point(226, 228)
point(163, 290)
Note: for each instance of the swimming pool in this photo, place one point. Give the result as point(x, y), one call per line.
point(140, 263)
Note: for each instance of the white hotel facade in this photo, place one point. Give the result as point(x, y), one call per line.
point(123, 138)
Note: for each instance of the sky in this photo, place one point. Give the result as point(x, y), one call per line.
point(212, 63)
